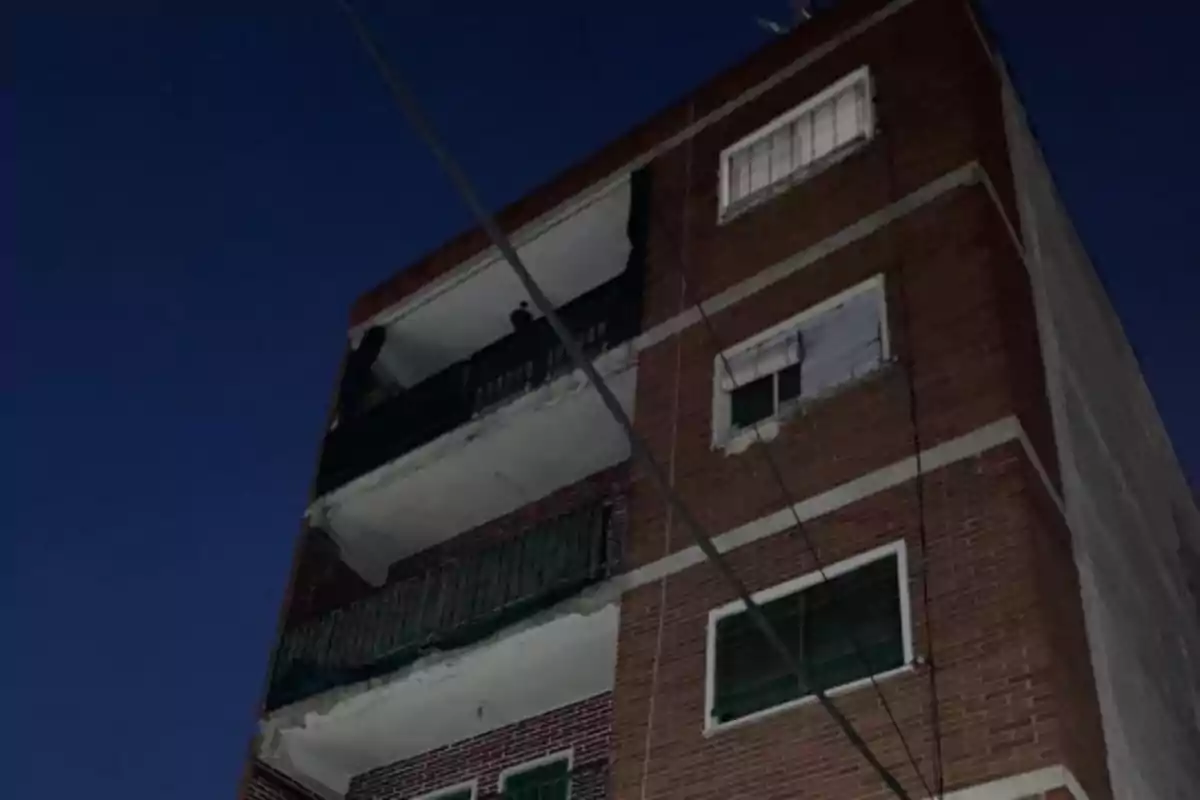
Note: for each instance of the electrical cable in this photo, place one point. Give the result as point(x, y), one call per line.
point(764, 447)
point(908, 364)
point(411, 109)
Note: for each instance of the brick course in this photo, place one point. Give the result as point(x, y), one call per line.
point(585, 727)
point(948, 321)
point(1014, 676)
point(1002, 680)
point(264, 783)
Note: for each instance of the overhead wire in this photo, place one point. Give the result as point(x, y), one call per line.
point(908, 362)
point(408, 104)
point(798, 525)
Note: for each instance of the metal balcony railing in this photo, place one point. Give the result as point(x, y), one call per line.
point(602, 318)
point(447, 607)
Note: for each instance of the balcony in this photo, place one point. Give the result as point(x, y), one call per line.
point(446, 608)
point(601, 319)
point(478, 419)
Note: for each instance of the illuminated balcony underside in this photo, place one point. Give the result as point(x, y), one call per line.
point(451, 319)
point(549, 438)
point(325, 741)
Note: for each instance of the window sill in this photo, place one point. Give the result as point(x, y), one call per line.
point(712, 727)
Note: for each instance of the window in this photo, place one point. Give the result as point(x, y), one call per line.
point(462, 791)
point(789, 147)
point(820, 348)
point(544, 779)
point(844, 630)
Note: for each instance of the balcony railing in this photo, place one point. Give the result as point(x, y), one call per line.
point(602, 318)
point(448, 607)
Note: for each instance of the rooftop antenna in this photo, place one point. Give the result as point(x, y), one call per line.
point(802, 12)
point(770, 26)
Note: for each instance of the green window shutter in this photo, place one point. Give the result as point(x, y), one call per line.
point(544, 782)
point(821, 625)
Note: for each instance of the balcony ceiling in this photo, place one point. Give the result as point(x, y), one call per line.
point(545, 440)
point(451, 319)
point(453, 698)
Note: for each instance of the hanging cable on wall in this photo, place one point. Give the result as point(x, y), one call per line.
point(407, 103)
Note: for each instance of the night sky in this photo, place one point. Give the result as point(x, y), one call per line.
point(199, 195)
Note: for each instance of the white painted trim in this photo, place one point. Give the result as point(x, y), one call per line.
point(970, 445)
point(472, 784)
point(608, 363)
point(968, 174)
point(1018, 787)
point(589, 195)
point(815, 310)
point(796, 585)
point(567, 755)
point(734, 441)
point(860, 75)
point(715, 728)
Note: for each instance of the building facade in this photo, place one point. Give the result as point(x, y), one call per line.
point(903, 409)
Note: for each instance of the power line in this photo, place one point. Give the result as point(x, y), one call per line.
point(908, 361)
point(408, 104)
point(764, 447)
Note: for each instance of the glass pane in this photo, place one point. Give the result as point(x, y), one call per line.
point(739, 175)
point(781, 154)
point(760, 165)
point(753, 402)
point(546, 782)
point(859, 608)
point(823, 129)
point(789, 383)
point(842, 630)
point(750, 675)
point(848, 125)
point(802, 141)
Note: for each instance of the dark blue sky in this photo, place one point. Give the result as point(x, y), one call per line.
point(201, 194)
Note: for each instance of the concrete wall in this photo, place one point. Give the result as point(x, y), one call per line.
point(1134, 522)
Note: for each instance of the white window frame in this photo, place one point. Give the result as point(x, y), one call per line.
point(724, 436)
point(446, 791)
point(862, 74)
point(567, 755)
point(898, 549)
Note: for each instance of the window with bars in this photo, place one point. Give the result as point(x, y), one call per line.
point(838, 340)
point(787, 148)
point(546, 781)
point(843, 630)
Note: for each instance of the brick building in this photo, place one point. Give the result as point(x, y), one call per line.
point(996, 573)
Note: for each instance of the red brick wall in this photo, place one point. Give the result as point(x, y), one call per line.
point(264, 783)
point(584, 727)
point(966, 371)
point(1003, 711)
